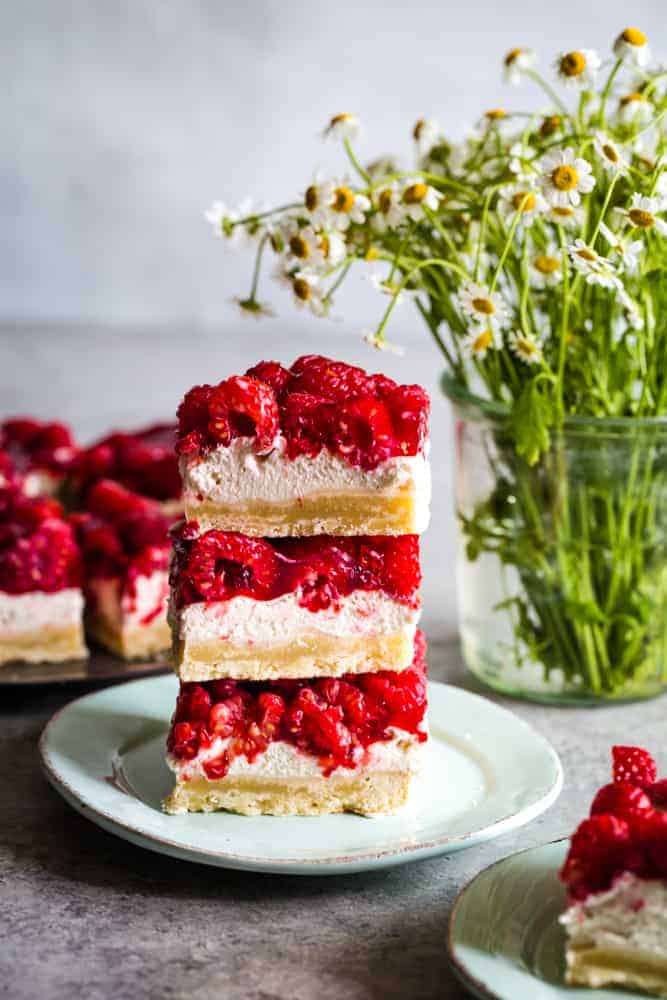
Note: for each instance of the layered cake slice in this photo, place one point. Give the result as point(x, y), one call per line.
point(261, 609)
point(320, 448)
point(616, 877)
point(299, 747)
point(41, 604)
point(40, 454)
point(126, 549)
point(143, 461)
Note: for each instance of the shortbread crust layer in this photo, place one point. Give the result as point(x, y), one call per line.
point(311, 656)
point(50, 644)
point(131, 641)
point(338, 514)
point(598, 967)
point(369, 794)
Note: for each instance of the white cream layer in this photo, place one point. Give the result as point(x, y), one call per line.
point(119, 607)
point(631, 915)
point(236, 474)
point(245, 621)
point(25, 613)
point(281, 760)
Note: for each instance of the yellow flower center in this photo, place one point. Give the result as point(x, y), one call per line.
point(496, 113)
point(312, 198)
point(631, 99)
point(484, 306)
point(372, 253)
point(588, 255)
point(418, 129)
point(546, 264)
point(641, 218)
point(482, 341)
point(343, 199)
point(550, 125)
point(523, 201)
point(340, 119)
point(572, 64)
point(610, 152)
point(512, 56)
point(385, 199)
point(562, 211)
point(301, 289)
point(633, 36)
point(299, 247)
point(415, 194)
point(324, 243)
point(565, 177)
point(526, 347)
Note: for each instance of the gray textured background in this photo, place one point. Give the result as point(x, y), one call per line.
point(122, 121)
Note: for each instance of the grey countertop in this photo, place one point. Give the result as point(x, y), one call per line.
point(86, 914)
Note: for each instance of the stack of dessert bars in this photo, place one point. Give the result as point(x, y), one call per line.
point(295, 592)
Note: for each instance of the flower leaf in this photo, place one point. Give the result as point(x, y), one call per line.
point(532, 417)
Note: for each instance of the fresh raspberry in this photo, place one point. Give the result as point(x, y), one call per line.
point(192, 413)
point(306, 422)
point(270, 711)
point(38, 445)
point(111, 500)
point(623, 800)
point(218, 767)
point(400, 572)
point(7, 468)
point(332, 380)
point(224, 564)
point(635, 765)
point(226, 716)
point(183, 740)
point(103, 553)
point(657, 793)
point(409, 407)
point(363, 433)
point(273, 374)
point(45, 558)
point(199, 703)
point(243, 406)
point(146, 462)
point(600, 849)
point(653, 839)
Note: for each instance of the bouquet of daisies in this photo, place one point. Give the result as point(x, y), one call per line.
point(535, 251)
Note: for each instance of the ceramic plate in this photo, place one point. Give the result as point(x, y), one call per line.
point(505, 941)
point(101, 666)
point(486, 772)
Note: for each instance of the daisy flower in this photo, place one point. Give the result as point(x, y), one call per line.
point(224, 221)
point(525, 347)
point(597, 270)
point(307, 294)
point(478, 342)
point(578, 68)
point(643, 214)
point(346, 206)
point(634, 109)
point(546, 267)
point(484, 306)
point(426, 132)
point(299, 242)
point(418, 196)
point(565, 216)
point(613, 158)
point(343, 126)
point(632, 45)
point(380, 343)
point(515, 64)
point(390, 211)
point(387, 287)
point(317, 199)
point(629, 251)
point(550, 125)
point(251, 308)
point(520, 160)
point(529, 204)
point(565, 177)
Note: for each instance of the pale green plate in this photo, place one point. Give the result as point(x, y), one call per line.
point(486, 772)
point(505, 942)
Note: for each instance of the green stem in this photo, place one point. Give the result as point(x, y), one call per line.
point(366, 177)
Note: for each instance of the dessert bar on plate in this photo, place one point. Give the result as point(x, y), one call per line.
point(125, 545)
point(143, 461)
point(260, 609)
point(38, 455)
point(299, 747)
point(320, 448)
point(616, 877)
point(41, 603)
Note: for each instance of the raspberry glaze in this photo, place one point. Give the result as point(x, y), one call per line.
point(32, 445)
point(331, 719)
point(220, 565)
point(38, 550)
point(626, 831)
point(143, 461)
point(316, 404)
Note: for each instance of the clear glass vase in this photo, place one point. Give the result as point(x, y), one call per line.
point(562, 566)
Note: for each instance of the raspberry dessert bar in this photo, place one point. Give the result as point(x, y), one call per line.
point(299, 747)
point(41, 604)
point(125, 545)
point(260, 609)
point(320, 448)
point(143, 461)
point(616, 877)
point(39, 454)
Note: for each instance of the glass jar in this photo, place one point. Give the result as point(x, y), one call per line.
point(562, 565)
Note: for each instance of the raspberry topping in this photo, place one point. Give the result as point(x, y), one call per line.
point(38, 550)
point(335, 720)
point(627, 829)
point(219, 565)
point(635, 765)
point(317, 403)
point(32, 444)
point(142, 461)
